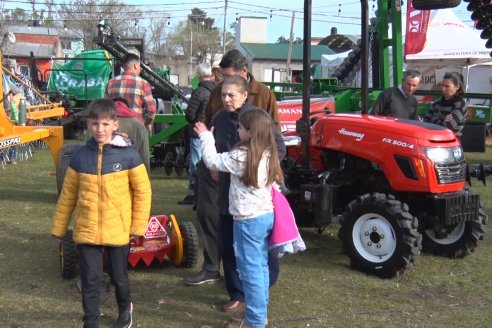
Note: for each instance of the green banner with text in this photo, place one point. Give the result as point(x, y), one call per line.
point(89, 70)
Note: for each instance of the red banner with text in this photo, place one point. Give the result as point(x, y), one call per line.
point(415, 36)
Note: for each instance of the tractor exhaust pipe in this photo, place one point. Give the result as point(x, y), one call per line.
point(302, 125)
point(364, 99)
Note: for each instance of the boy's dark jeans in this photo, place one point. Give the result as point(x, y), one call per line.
point(91, 269)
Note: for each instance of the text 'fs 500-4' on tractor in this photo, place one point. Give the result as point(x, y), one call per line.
point(398, 185)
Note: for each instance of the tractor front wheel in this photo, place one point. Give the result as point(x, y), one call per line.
point(68, 256)
point(380, 235)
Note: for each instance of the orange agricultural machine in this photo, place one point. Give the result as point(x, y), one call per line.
point(12, 135)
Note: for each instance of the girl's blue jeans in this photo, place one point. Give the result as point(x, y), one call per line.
point(251, 249)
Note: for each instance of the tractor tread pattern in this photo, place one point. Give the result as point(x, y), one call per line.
point(69, 252)
point(410, 240)
point(190, 244)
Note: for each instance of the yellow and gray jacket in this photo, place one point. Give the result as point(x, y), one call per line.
point(109, 188)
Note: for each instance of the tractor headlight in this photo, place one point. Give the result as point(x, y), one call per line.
point(444, 155)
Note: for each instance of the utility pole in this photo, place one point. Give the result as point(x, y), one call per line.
point(289, 53)
point(191, 50)
point(224, 31)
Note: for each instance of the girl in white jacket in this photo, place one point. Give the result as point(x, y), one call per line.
point(254, 166)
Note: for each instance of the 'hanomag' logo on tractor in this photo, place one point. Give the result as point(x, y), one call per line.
point(154, 229)
point(358, 135)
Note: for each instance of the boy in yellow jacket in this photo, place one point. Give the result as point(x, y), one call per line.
point(108, 186)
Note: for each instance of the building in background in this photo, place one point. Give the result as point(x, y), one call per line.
point(43, 45)
point(269, 62)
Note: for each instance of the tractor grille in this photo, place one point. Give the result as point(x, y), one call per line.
point(450, 173)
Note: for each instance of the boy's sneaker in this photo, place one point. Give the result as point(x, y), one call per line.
point(202, 277)
point(125, 318)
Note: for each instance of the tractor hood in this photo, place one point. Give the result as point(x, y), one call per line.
point(385, 141)
point(333, 128)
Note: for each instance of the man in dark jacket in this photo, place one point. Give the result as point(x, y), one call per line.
point(195, 112)
point(399, 101)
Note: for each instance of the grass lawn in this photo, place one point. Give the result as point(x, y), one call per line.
point(316, 288)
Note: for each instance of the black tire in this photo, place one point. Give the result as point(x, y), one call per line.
point(190, 244)
point(434, 4)
point(180, 164)
point(187, 164)
point(73, 130)
point(380, 235)
point(462, 239)
point(68, 256)
point(63, 160)
point(169, 161)
point(161, 109)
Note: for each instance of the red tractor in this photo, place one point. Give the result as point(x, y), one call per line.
point(398, 185)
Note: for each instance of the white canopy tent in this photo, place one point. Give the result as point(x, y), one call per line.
point(329, 63)
point(451, 45)
point(450, 42)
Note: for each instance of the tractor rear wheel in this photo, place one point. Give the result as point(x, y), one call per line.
point(63, 160)
point(190, 244)
point(380, 235)
point(68, 256)
point(462, 239)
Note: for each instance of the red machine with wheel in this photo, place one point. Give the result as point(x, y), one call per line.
point(164, 239)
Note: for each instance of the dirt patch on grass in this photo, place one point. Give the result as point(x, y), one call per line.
point(445, 297)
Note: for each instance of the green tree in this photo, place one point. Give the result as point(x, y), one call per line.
point(83, 16)
point(196, 39)
point(13, 17)
point(155, 35)
point(282, 39)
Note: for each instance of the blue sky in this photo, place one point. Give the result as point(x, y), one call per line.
point(342, 14)
point(325, 14)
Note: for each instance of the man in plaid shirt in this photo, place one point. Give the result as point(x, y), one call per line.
point(130, 86)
